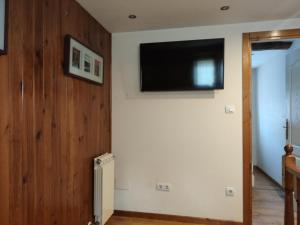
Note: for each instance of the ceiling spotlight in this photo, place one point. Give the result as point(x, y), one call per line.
point(132, 16)
point(224, 8)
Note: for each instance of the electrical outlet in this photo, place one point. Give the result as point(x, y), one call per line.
point(229, 191)
point(163, 187)
point(229, 109)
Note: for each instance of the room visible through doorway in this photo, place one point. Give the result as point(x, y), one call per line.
point(275, 88)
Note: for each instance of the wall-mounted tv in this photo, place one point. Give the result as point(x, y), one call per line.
point(182, 65)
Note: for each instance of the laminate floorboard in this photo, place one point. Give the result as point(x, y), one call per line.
point(268, 201)
point(119, 220)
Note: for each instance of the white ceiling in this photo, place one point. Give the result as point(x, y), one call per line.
point(160, 14)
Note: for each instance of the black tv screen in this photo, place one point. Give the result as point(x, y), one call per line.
point(182, 65)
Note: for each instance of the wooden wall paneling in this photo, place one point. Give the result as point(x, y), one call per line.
point(52, 125)
point(85, 133)
point(89, 130)
point(52, 69)
point(65, 85)
point(106, 107)
point(4, 140)
point(76, 128)
point(15, 76)
point(84, 96)
point(39, 111)
point(69, 196)
point(27, 114)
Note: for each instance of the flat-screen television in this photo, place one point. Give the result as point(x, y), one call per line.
point(182, 65)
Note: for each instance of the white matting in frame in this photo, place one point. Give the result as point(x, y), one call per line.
point(82, 62)
point(3, 26)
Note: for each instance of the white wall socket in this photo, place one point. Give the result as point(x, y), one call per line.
point(229, 109)
point(229, 191)
point(163, 187)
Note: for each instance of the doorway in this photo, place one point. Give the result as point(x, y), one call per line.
point(248, 40)
point(273, 64)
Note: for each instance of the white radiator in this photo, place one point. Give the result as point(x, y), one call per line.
point(104, 177)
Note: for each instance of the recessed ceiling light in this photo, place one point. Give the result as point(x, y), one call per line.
point(132, 16)
point(225, 7)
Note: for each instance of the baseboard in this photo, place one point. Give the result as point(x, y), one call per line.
point(185, 219)
point(274, 181)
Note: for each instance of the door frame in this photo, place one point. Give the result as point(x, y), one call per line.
point(248, 38)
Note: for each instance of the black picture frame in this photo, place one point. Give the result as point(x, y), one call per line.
point(82, 62)
point(3, 50)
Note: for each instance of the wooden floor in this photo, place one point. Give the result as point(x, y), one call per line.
point(268, 201)
point(118, 220)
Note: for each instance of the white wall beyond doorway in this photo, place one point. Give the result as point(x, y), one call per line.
point(269, 111)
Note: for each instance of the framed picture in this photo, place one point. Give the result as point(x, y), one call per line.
point(82, 62)
point(3, 26)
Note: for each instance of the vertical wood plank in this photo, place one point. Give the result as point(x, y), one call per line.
point(28, 160)
point(39, 135)
point(16, 88)
point(4, 140)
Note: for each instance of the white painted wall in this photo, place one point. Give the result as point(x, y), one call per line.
point(254, 118)
point(184, 138)
point(292, 86)
point(269, 111)
point(2, 23)
point(295, 45)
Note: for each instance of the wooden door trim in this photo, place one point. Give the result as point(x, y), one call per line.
point(248, 38)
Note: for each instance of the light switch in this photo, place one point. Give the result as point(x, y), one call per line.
point(229, 109)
